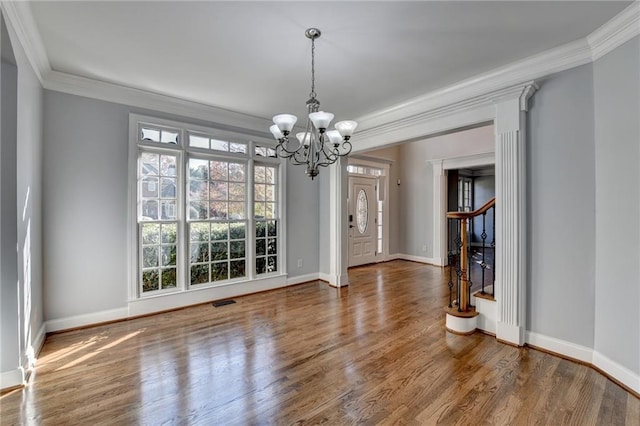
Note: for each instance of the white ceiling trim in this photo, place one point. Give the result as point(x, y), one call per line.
point(21, 19)
point(81, 86)
point(620, 29)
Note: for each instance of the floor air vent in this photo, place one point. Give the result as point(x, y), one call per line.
point(223, 303)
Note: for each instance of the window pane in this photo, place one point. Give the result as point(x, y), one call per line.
point(237, 230)
point(270, 193)
point(272, 263)
point(218, 191)
point(236, 172)
point(261, 249)
point(272, 246)
point(199, 189)
point(150, 257)
point(236, 249)
point(198, 209)
point(199, 274)
point(219, 271)
point(150, 233)
point(236, 191)
point(169, 255)
point(169, 233)
point(261, 265)
point(261, 229)
point(168, 187)
point(169, 137)
point(270, 175)
point(149, 210)
point(236, 210)
point(199, 252)
point(169, 278)
point(218, 210)
point(150, 280)
point(150, 187)
point(198, 169)
point(218, 170)
point(152, 135)
point(219, 231)
point(219, 251)
point(168, 210)
point(219, 145)
point(259, 174)
point(198, 141)
point(259, 192)
point(168, 165)
point(237, 269)
point(238, 147)
point(272, 228)
point(269, 210)
point(199, 231)
point(149, 164)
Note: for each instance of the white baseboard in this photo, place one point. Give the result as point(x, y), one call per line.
point(86, 319)
point(617, 371)
point(303, 278)
point(420, 259)
point(513, 334)
point(11, 379)
point(38, 342)
point(586, 355)
point(562, 347)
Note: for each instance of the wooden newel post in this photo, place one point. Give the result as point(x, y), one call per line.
point(464, 284)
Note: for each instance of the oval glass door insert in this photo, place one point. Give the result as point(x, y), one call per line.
point(362, 210)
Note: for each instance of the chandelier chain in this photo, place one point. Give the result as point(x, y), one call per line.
point(313, 68)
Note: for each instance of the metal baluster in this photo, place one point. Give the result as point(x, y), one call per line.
point(458, 266)
point(469, 260)
point(483, 265)
point(493, 245)
point(450, 260)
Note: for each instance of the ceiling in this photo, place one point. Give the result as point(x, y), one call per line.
point(253, 57)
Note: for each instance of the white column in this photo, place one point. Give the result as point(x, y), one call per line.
point(511, 220)
point(439, 242)
point(338, 244)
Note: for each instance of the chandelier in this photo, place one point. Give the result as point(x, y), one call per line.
point(316, 146)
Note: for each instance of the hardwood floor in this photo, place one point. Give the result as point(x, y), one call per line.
point(373, 353)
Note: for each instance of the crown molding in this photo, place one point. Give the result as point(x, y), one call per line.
point(461, 96)
point(620, 29)
point(22, 22)
point(534, 67)
point(81, 86)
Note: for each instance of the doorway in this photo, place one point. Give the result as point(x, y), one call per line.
point(363, 218)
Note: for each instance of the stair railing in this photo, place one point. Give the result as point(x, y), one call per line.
point(460, 255)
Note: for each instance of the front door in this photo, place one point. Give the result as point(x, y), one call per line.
point(362, 216)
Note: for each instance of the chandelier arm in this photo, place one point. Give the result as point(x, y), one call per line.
point(281, 146)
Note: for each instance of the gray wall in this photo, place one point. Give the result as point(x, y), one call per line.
point(561, 203)
point(22, 296)
point(484, 189)
point(416, 182)
point(617, 203)
point(86, 206)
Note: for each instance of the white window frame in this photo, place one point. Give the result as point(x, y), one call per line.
point(183, 152)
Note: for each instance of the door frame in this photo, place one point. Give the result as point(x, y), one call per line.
point(383, 182)
point(506, 108)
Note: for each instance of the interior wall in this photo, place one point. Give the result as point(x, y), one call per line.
point(416, 182)
point(561, 203)
point(9, 332)
point(22, 145)
point(617, 203)
point(86, 206)
point(484, 189)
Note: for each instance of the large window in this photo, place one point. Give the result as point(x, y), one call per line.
point(195, 189)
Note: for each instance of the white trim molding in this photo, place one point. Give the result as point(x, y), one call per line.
point(510, 214)
point(83, 320)
point(562, 347)
point(617, 371)
point(303, 279)
point(11, 379)
point(338, 234)
point(412, 258)
point(620, 29)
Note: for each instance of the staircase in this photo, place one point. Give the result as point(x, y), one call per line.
point(472, 304)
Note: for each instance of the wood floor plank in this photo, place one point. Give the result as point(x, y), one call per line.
point(375, 352)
